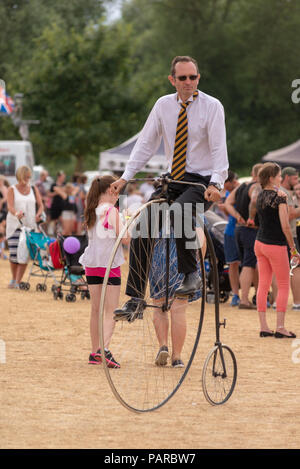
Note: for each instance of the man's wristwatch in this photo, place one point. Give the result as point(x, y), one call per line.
point(216, 185)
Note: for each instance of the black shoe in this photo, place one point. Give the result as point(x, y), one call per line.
point(177, 363)
point(191, 283)
point(110, 360)
point(278, 335)
point(266, 334)
point(162, 356)
point(132, 310)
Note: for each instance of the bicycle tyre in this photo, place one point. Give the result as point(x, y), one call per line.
point(218, 388)
point(140, 385)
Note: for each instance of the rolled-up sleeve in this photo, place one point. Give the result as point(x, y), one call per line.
point(146, 145)
point(217, 143)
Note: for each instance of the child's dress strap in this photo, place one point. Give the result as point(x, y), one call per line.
point(105, 222)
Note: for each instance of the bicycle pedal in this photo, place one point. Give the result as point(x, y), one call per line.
point(125, 317)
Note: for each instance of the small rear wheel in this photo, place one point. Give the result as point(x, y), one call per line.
point(219, 375)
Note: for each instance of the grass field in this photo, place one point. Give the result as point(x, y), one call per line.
point(51, 397)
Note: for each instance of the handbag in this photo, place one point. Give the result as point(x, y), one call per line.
point(22, 249)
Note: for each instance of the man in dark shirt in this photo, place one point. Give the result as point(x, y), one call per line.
point(241, 204)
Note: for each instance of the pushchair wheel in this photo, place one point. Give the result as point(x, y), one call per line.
point(22, 286)
point(57, 294)
point(39, 287)
point(44, 287)
point(71, 297)
point(27, 286)
point(85, 294)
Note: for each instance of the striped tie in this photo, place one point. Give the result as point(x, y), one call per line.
point(179, 157)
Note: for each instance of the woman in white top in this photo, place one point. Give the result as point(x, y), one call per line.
point(21, 205)
point(104, 224)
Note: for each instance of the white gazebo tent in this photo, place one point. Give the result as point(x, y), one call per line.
point(287, 156)
point(115, 159)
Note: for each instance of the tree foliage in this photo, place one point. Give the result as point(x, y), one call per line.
point(92, 83)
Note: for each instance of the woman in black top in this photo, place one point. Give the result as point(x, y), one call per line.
point(273, 236)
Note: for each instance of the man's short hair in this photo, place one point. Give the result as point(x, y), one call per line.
point(231, 176)
point(182, 58)
point(289, 171)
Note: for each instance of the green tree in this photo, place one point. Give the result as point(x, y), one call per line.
point(75, 87)
point(247, 56)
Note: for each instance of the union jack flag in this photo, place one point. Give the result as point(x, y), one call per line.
point(6, 102)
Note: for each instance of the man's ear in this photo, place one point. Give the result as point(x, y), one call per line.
point(171, 80)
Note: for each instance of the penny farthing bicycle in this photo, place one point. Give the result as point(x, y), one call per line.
point(140, 384)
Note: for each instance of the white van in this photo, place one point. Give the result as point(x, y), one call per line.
point(14, 154)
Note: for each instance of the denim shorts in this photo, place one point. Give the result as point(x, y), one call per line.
point(245, 239)
point(230, 249)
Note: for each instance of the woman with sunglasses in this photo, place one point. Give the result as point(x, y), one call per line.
point(192, 125)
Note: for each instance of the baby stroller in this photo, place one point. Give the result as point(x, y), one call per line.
point(216, 226)
point(41, 266)
point(73, 274)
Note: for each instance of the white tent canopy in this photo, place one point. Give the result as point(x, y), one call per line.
point(287, 156)
point(115, 159)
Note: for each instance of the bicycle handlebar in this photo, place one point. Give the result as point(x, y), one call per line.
point(166, 179)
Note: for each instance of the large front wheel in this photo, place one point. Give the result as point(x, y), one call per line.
point(146, 379)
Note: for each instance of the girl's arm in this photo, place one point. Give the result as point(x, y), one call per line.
point(115, 221)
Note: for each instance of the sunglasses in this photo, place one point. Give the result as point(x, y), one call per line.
point(185, 77)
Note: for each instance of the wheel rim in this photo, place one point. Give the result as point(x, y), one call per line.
point(140, 385)
point(217, 385)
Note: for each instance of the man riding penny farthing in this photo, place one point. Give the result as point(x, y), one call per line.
point(192, 126)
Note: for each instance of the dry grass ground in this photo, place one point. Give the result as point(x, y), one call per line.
point(51, 398)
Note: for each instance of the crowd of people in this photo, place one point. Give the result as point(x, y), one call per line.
point(263, 221)
point(61, 208)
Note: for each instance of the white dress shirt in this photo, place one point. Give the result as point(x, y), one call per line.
point(206, 147)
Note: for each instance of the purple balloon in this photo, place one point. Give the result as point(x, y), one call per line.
point(71, 245)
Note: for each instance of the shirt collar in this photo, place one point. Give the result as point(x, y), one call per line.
point(179, 100)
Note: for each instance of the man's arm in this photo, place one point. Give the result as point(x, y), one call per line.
point(294, 212)
point(217, 143)
point(253, 194)
point(146, 145)
point(229, 206)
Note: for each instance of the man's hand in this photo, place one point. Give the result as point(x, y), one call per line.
point(212, 194)
point(117, 186)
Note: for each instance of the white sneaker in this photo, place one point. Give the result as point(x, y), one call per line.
point(296, 307)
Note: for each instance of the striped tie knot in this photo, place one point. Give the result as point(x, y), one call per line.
point(179, 157)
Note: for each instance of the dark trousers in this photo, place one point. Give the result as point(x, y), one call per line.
point(185, 197)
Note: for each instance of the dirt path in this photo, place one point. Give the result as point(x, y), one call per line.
point(51, 398)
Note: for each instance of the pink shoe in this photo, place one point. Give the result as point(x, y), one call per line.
point(95, 359)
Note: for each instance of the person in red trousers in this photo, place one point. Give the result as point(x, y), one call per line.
point(273, 236)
